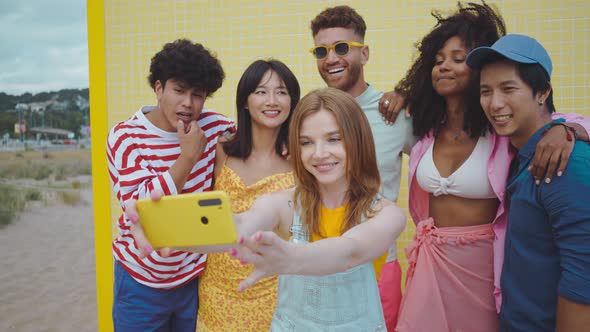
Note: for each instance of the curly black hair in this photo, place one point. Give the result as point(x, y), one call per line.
point(476, 25)
point(339, 17)
point(189, 63)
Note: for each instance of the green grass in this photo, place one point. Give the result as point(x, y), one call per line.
point(60, 173)
point(41, 165)
point(70, 197)
point(33, 195)
point(12, 202)
point(50, 170)
point(42, 171)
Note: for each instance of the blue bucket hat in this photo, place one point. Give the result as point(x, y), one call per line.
point(518, 48)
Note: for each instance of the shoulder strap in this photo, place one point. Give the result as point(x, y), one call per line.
point(375, 201)
point(300, 233)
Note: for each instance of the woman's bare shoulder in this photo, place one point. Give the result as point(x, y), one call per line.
point(283, 196)
point(387, 207)
point(225, 138)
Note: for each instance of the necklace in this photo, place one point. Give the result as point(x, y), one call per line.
point(455, 135)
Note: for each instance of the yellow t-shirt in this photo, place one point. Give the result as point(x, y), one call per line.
point(330, 225)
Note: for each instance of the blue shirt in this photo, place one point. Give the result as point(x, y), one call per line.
point(547, 249)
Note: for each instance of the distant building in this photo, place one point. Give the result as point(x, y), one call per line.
point(81, 102)
point(21, 107)
point(40, 107)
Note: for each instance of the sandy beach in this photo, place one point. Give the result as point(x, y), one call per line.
point(47, 278)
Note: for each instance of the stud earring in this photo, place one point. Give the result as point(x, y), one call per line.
point(541, 102)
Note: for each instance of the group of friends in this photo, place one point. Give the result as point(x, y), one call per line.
point(499, 189)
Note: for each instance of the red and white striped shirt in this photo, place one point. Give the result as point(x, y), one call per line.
point(139, 156)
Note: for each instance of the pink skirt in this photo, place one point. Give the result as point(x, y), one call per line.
point(390, 282)
point(450, 280)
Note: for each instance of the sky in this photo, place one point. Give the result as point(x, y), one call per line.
point(43, 45)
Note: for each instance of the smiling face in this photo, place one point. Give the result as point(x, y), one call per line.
point(323, 153)
point(509, 103)
point(176, 101)
point(269, 104)
point(342, 72)
point(450, 74)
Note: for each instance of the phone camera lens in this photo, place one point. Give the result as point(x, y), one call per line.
point(204, 220)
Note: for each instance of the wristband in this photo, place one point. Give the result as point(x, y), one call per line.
point(571, 132)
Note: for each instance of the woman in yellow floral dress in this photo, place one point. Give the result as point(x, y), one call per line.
point(249, 164)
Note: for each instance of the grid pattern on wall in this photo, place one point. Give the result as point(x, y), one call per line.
point(243, 31)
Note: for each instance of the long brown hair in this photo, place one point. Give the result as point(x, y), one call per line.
point(361, 161)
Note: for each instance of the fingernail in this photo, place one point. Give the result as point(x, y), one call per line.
point(133, 218)
point(243, 262)
point(529, 168)
point(233, 252)
point(547, 180)
point(560, 173)
point(537, 182)
point(148, 249)
point(241, 240)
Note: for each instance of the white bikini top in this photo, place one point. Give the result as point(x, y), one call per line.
point(470, 180)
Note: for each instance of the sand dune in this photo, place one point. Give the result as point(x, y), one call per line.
point(47, 278)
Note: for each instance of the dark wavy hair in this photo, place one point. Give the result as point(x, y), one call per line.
point(476, 25)
point(339, 17)
point(240, 144)
point(189, 63)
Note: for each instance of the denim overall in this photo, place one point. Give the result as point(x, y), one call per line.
point(345, 301)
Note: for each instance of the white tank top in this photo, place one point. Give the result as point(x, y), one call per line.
point(470, 180)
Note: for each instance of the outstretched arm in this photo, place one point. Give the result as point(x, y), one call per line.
point(363, 243)
point(266, 213)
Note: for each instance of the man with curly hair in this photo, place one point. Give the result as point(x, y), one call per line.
point(339, 49)
point(169, 148)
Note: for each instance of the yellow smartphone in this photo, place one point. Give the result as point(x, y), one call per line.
point(188, 220)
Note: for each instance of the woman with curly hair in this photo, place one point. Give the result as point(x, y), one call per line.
point(458, 173)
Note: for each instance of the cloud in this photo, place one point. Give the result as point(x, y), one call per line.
point(44, 45)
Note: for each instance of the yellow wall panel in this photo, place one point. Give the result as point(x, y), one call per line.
point(243, 31)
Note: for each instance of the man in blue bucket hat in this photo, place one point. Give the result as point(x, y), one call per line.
point(546, 273)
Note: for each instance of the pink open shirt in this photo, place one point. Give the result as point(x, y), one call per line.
point(498, 166)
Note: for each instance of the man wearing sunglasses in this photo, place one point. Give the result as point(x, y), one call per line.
point(341, 54)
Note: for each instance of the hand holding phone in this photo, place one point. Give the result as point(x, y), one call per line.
point(188, 220)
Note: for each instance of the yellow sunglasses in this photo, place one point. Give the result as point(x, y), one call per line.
point(340, 48)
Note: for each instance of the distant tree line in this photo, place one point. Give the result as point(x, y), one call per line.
point(65, 113)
